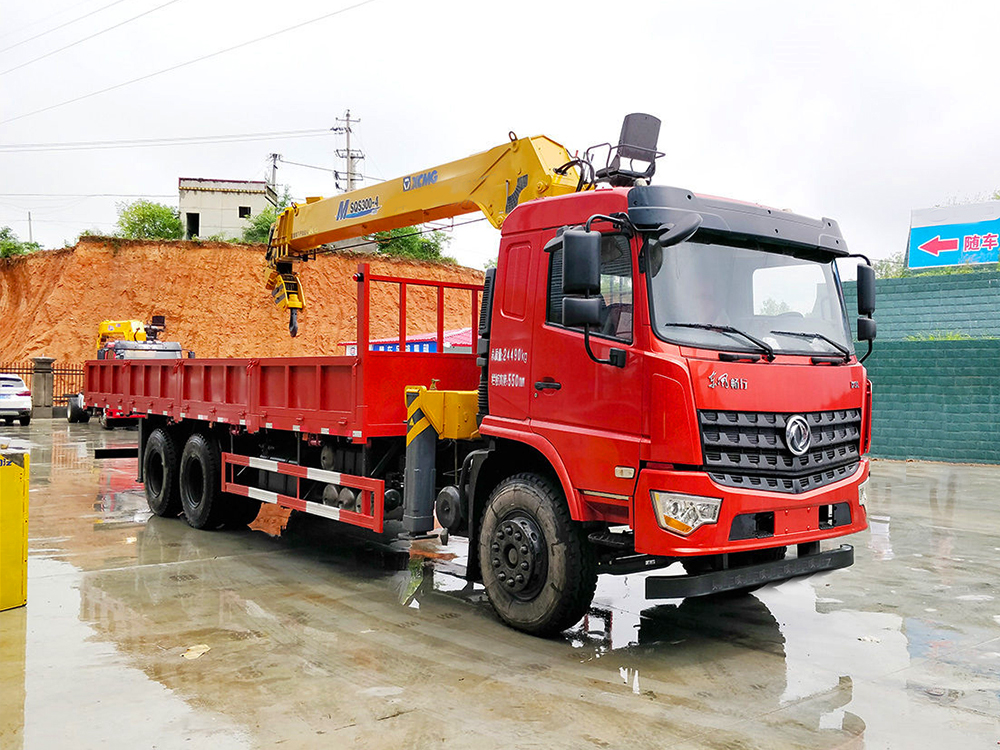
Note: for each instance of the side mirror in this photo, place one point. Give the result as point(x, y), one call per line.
point(581, 262)
point(680, 230)
point(866, 293)
point(866, 329)
point(581, 311)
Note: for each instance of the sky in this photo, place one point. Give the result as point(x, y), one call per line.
point(859, 112)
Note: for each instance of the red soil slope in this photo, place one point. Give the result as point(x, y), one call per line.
point(212, 295)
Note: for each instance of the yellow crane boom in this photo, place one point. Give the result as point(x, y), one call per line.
point(494, 182)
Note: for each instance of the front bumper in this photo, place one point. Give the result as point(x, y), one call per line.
point(719, 581)
point(796, 519)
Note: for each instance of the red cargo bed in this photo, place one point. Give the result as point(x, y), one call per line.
point(353, 396)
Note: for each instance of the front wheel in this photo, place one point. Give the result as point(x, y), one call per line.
point(25, 421)
point(539, 569)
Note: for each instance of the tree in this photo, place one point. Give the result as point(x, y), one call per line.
point(10, 245)
point(893, 267)
point(409, 242)
point(259, 227)
point(145, 220)
point(772, 306)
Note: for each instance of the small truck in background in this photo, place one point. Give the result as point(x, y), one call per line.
point(657, 376)
point(123, 339)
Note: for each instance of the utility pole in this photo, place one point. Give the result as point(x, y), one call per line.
point(348, 154)
point(30, 238)
point(275, 158)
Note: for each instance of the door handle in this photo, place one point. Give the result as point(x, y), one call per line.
point(547, 385)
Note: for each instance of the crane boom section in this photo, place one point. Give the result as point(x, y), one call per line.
point(493, 182)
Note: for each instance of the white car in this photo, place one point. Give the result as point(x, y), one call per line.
point(15, 400)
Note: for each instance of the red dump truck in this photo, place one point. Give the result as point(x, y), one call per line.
point(656, 376)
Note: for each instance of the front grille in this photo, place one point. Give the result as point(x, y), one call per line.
point(747, 449)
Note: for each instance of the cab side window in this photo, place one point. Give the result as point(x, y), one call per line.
point(616, 288)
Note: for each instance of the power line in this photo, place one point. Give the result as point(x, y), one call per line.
point(61, 221)
point(61, 26)
point(86, 38)
point(87, 195)
point(401, 236)
point(149, 142)
point(283, 160)
point(189, 62)
point(43, 19)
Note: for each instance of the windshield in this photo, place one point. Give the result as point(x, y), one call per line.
point(722, 296)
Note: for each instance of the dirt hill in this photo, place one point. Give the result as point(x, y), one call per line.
point(212, 295)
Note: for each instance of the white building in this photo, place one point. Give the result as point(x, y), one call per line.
point(221, 207)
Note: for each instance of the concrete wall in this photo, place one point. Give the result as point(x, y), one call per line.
point(217, 203)
point(935, 399)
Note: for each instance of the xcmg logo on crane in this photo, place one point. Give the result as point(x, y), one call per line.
point(412, 182)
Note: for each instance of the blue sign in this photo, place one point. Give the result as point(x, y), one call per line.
point(411, 346)
point(955, 244)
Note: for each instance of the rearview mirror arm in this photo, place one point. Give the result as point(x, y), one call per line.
point(616, 357)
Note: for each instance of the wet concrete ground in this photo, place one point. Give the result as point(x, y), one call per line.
point(321, 640)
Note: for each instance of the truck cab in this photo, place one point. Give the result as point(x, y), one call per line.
point(711, 409)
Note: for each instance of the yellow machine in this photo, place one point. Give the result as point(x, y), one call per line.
point(129, 330)
point(493, 182)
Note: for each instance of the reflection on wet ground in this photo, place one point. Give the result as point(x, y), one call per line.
point(316, 636)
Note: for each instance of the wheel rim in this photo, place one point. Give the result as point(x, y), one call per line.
point(518, 556)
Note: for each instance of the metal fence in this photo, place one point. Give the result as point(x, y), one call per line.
point(66, 379)
point(23, 370)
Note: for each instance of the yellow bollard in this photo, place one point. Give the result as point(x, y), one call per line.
point(13, 530)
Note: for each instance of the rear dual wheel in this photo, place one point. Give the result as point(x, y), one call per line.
point(538, 567)
point(204, 503)
point(159, 471)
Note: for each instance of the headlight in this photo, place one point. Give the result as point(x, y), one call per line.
point(682, 514)
point(863, 494)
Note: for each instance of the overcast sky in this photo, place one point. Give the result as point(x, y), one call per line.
point(856, 111)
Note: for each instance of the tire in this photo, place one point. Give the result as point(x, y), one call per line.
point(160, 471)
point(85, 416)
point(25, 421)
point(527, 536)
point(241, 511)
point(202, 500)
point(74, 412)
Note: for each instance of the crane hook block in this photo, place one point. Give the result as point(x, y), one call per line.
point(286, 291)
